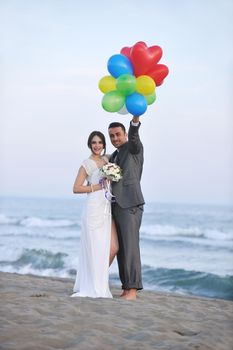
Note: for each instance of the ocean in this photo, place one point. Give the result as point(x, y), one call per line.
point(186, 249)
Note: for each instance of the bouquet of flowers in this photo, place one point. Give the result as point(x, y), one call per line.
point(111, 171)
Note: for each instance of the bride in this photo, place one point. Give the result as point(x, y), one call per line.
point(98, 244)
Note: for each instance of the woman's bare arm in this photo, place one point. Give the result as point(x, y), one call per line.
point(80, 186)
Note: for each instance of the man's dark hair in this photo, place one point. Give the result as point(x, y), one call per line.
point(117, 125)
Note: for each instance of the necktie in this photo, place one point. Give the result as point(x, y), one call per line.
point(115, 154)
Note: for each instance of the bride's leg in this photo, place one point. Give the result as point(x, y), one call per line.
point(114, 247)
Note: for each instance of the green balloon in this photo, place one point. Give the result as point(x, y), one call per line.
point(150, 98)
point(126, 84)
point(113, 101)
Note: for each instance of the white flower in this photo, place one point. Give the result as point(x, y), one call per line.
point(111, 171)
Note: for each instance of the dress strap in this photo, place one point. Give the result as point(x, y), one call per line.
point(88, 165)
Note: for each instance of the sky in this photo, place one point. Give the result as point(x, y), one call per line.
point(52, 56)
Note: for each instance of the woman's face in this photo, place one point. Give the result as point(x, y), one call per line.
point(97, 145)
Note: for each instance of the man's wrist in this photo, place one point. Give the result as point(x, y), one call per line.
point(135, 121)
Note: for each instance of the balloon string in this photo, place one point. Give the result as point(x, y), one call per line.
point(108, 196)
point(107, 193)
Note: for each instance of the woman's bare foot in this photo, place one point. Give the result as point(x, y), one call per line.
point(131, 294)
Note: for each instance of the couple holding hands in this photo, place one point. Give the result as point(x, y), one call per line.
point(111, 228)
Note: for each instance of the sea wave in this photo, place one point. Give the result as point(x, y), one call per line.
point(157, 231)
point(38, 259)
point(37, 222)
point(46, 263)
point(43, 235)
point(40, 262)
point(191, 282)
point(7, 220)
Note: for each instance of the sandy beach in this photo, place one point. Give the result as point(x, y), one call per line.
point(37, 313)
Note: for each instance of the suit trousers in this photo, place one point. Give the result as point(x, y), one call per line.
point(128, 222)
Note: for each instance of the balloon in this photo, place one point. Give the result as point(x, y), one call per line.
point(150, 98)
point(123, 110)
point(158, 73)
point(113, 101)
point(143, 58)
point(127, 50)
point(107, 84)
point(134, 75)
point(136, 104)
point(145, 85)
point(119, 64)
point(126, 84)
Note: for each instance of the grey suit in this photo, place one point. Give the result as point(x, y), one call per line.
point(128, 209)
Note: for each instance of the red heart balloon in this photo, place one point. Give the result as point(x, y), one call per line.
point(144, 58)
point(158, 73)
point(126, 51)
point(145, 61)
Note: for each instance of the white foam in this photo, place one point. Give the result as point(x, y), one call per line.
point(6, 220)
point(191, 231)
point(38, 222)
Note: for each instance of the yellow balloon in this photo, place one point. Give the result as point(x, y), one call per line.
point(145, 85)
point(107, 84)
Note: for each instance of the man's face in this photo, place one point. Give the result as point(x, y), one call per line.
point(117, 136)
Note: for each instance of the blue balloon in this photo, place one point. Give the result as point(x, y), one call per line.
point(118, 65)
point(136, 104)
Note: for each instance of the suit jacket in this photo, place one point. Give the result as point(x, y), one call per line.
point(128, 191)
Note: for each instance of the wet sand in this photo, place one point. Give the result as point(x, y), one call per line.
point(37, 313)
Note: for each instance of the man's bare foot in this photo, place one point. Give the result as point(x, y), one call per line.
point(124, 293)
point(130, 295)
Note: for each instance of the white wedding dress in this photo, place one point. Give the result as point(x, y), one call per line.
point(92, 278)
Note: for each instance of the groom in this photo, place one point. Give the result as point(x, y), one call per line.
point(128, 209)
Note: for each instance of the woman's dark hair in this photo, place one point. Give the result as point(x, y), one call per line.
point(117, 125)
point(100, 135)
